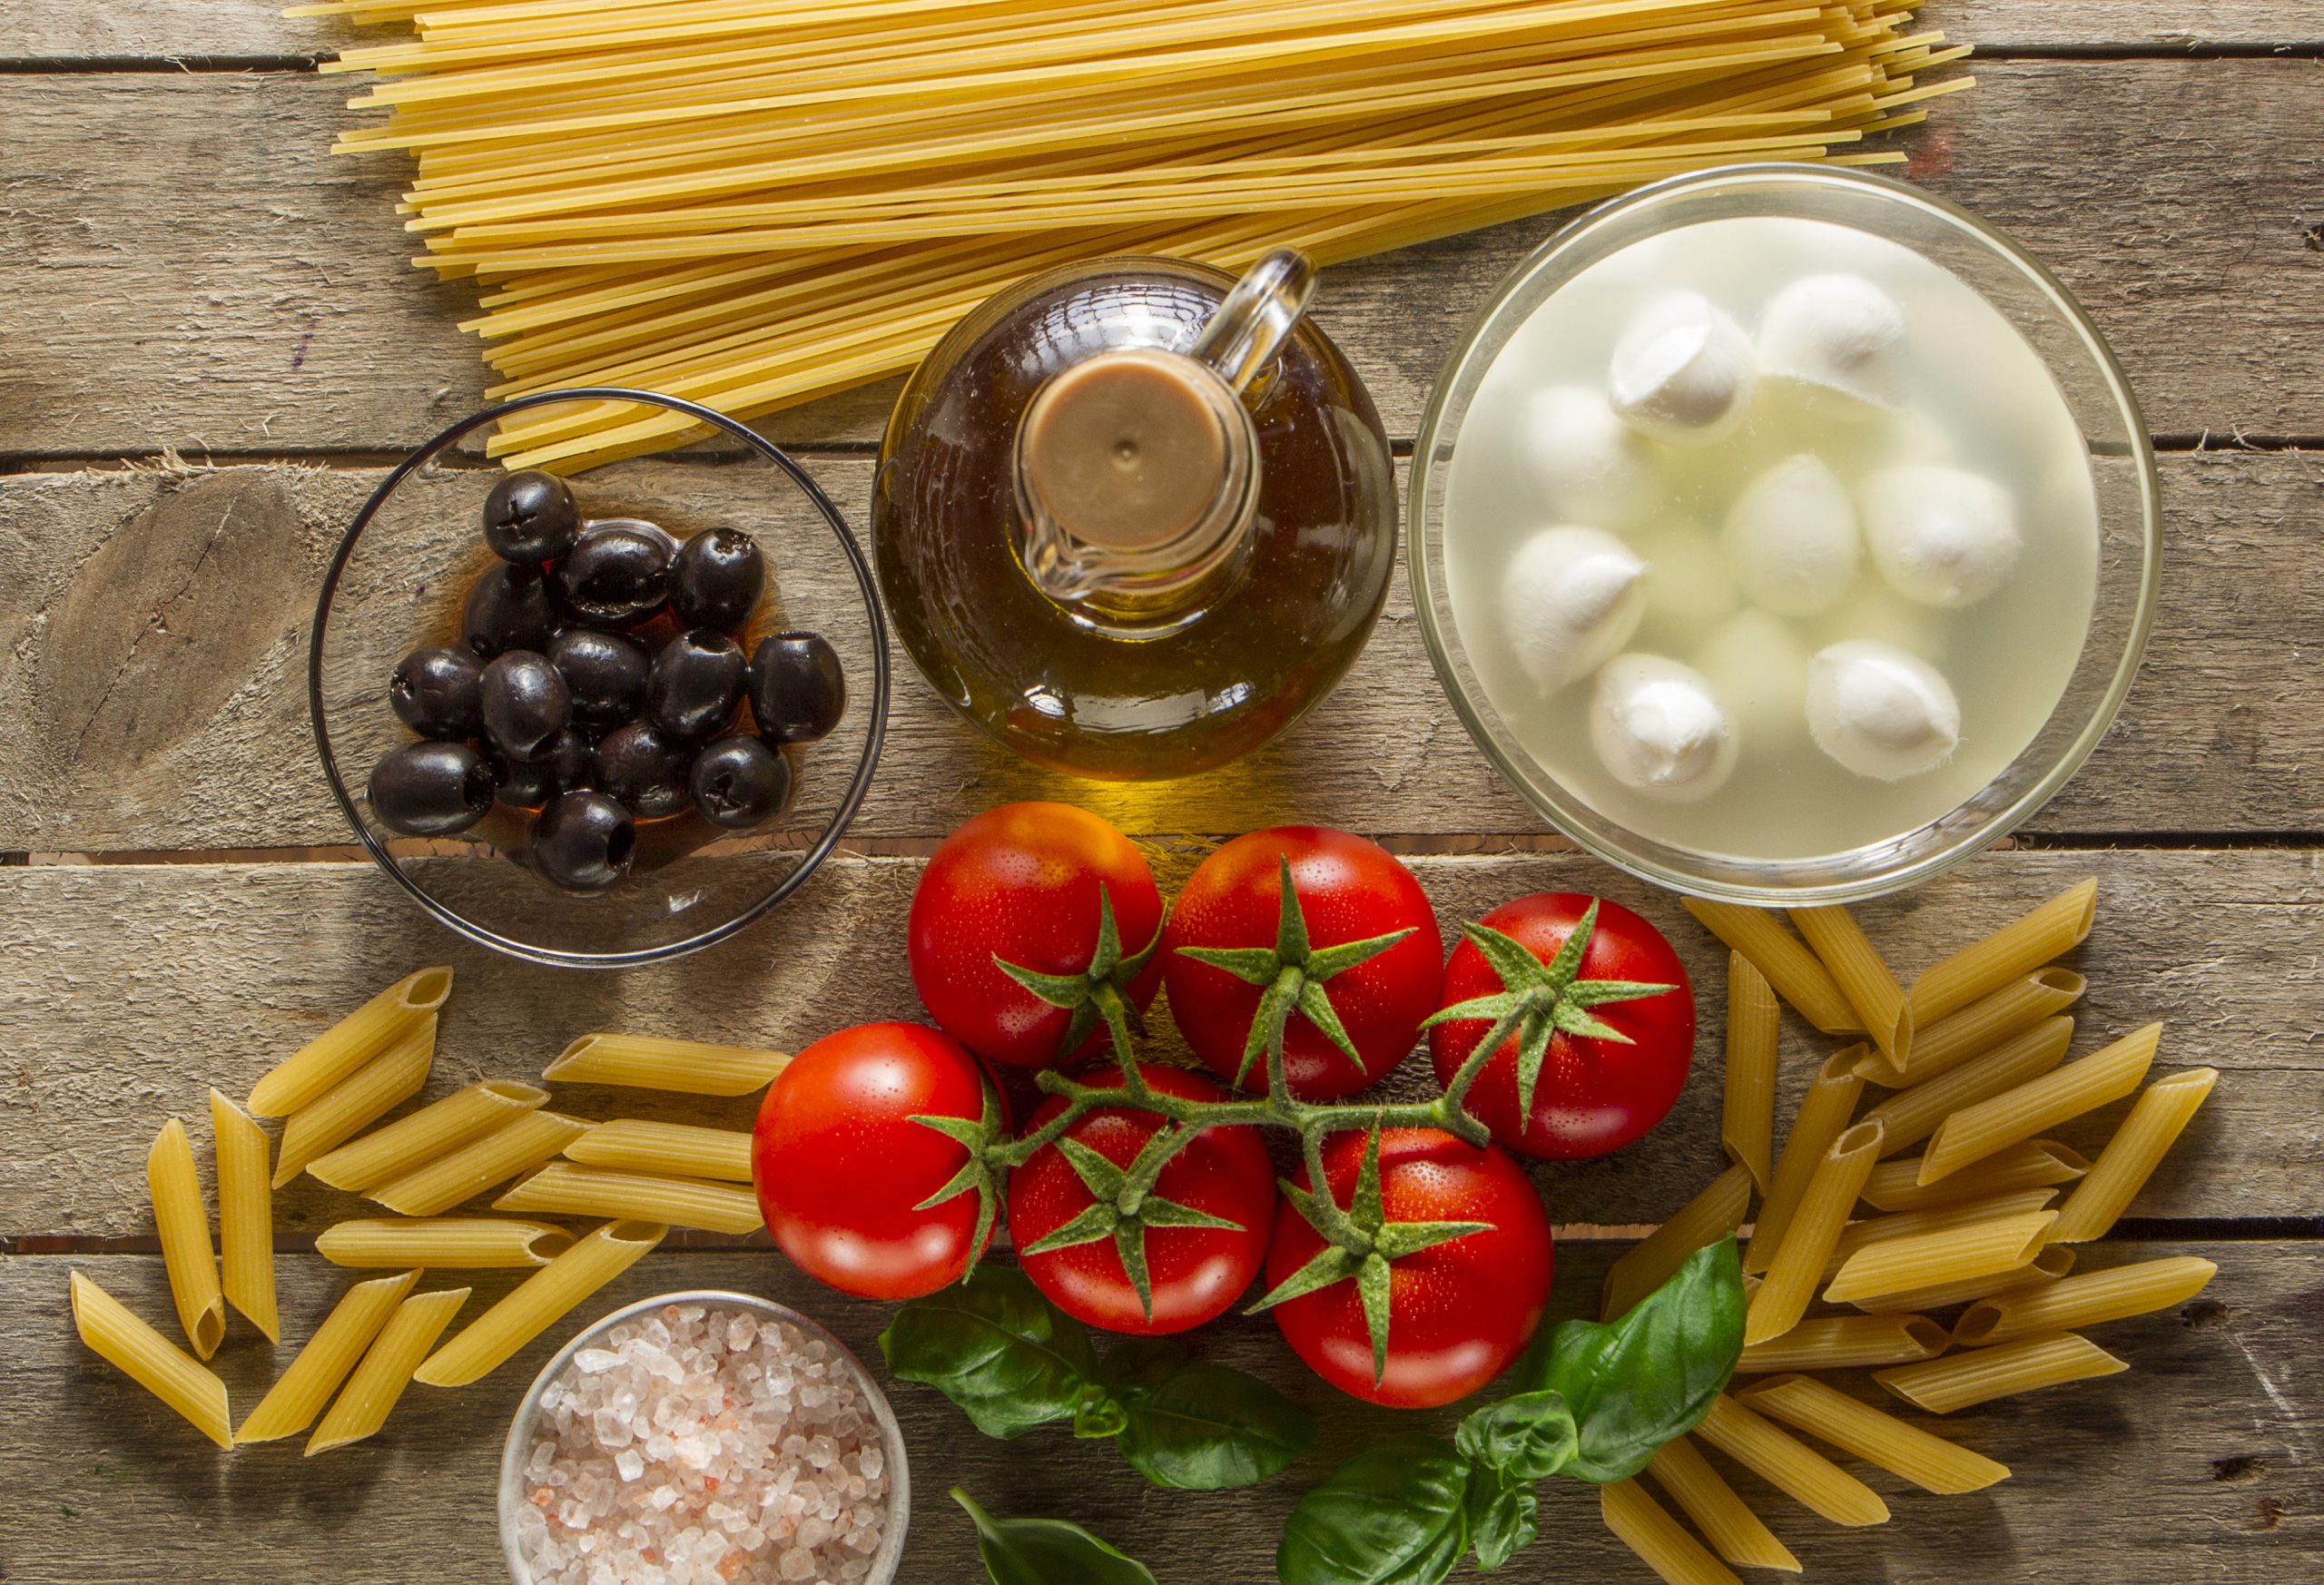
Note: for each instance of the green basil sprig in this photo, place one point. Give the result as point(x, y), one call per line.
point(1047, 1552)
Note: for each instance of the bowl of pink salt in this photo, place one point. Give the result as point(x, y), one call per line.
point(704, 1438)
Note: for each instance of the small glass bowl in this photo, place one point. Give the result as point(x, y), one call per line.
point(397, 582)
point(518, 1448)
point(2096, 392)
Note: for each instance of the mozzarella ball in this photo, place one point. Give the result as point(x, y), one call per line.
point(1881, 713)
point(1682, 371)
point(1791, 538)
point(1571, 599)
point(1839, 335)
point(1940, 535)
point(1760, 666)
point(1687, 588)
point(1590, 466)
point(1659, 728)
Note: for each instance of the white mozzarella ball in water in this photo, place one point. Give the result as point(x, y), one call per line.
point(1881, 713)
point(1571, 599)
point(1838, 335)
point(1791, 538)
point(1760, 666)
point(1687, 588)
point(1682, 371)
point(1590, 466)
point(1940, 535)
point(1659, 727)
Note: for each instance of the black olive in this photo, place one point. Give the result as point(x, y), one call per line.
point(521, 783)
point(605, 672)
point(643, 768)
point(738, 782)
point(570, 760)
point(798, 693)
point(508, 609)
point(697, 680)
point(530, 518)
point(616, 575)
point(583, 842)
point(717, 580)
point(431, 789)
point(439, 693)
point(525, 703)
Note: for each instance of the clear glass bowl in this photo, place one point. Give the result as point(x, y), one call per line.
point(520, 1446)
point(2096, 393)
point(397, 582)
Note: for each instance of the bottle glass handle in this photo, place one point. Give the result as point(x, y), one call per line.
point(1242, 336)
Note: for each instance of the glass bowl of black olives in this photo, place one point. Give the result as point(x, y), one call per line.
point(604, 719)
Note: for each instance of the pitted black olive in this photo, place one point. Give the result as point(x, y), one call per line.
point(439, 693)
point(525, 703)
point(616, 575)
point(583, 842)
point(431, 789)
point(530, 518)
point(798, 693)
point(697, 680)
point(739, 782)
point(717, 580)
point(606, 673)
point(644, 769)
point(508, 609)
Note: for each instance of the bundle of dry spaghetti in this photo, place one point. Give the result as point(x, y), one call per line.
point(754, 202)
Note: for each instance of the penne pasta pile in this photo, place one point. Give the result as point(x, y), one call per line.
point(1857, 1244)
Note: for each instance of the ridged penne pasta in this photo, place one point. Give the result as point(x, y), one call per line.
point(1747, 1117)
point(1863, 976)
point(1726, 1522)
point(453, 1243)
point(1702, 1221)
point(2053, 1263)
point(245, 1215)
point(1791, 1465)
point(386, 1370)
point(301, 1078)
point(531, 1138)
point(1910, 1265)
point(1794, 972)
point(355, 1102)
point(300, 1393)
point(1911, 1115)
point(433, 1131)
point(566, 1188)
point(1829, 1415)
point(1798, 1264)
point(1837, 1342)
point(1872, 1230)
point(540, 1300)
point(651, 1062)
point(1823, 1117)
point(1896, 1185)
point(2088, 1300)
point(1976, 1131)
point(1981, 1375)
point(1660, 1542)
point(1946, 1045)
point(2156, 1120)
point(182, 1222)
point(669, 1149)
point(2018, 948)
point(150, 1360)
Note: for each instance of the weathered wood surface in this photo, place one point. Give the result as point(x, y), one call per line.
point(133, 987)
point(197, 270)
point(2195, 1465)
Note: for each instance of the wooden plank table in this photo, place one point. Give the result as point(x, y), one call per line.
point(195, 282)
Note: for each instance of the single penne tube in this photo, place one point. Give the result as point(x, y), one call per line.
point(1747, 1109)
point(1873, 1230)
point(245, 1215)
point(539, 1302)
point(433, 1131)
point(1736, 1533)
point(2088, 1300)
point(2017, 948)
point(2157, 1118)
point(1997, 1122)
point(566, 1188)
point(1957, 1381)
point(1702, 1221)
point(435, 1188)
point(1660, 1542)
point(1896, 1185)
point(386, 1369)
point(1823, 1117)
point(453, 1243)
point(1863, 976)
point(300, 1078)
point(1791, 1465)
point(1874, 1435)
point(1794, 972)
point(2015, 1008)
point(363, 1096)
point(2052, 1263)
point(150, 1360)
point(300, 1393)
point(1904, 1265)
point(183, 1223)
point(650, 1062)
point(1836, 1343)
point(1798, 1264)
point(1911, 1115)
point(669, 1149)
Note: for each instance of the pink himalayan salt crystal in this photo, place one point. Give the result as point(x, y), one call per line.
point(703, 1447)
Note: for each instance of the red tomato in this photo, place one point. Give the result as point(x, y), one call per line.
point(841, 1167)
point(1021, 884)
point(1594, 1095)
point(1458, 1311)
point(1192, 1273)
point(1349, 890)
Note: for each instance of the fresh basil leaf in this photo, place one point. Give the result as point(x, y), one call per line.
point(1197, 1426)
point(1528, 1437)
point(1394, 1514)
point(1632, 1384)
point(993, 1345)
point(1048, 1551)
point(1502, 1517)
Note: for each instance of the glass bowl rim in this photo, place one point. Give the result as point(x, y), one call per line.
point(842, 814)
point(1565, 813)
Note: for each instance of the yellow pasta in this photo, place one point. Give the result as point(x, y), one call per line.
point(1934, 1219)
point(1829, 1415)
point(344, 1110)
point(540, 1301)
point(1896, 1185)
point(1702, 1221)
point(1791, 1465)
point(1904, 1265)
point(1659, 1540)
point(184, 1384)
point(1791, 1278)
point(1824, 1115)
point(2018, 948)
point(457, 1243)
point(1726, 1522)
point(2053, 1263)
point(1835, 1342)
point(1794, 971)
point(302, 1078)
point(564, 1188)
point(1747, 1109)
point(1911, 1115)
point(2130, 1158)
point(245, 1215)
point(1863, 976)
point(2013, 1009)
point(441, 1184)
point(300, 1393)
point(183, 1224)
point(433, 1131)
point(671, 1149)
point(649, 1062)
point(386, 1370)
point(1960, 1380)
point(1976, 1131)
point(2086, 1300)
